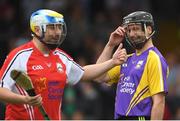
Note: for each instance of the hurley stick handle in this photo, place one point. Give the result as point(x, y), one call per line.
point(23, 80)
point(31, 92)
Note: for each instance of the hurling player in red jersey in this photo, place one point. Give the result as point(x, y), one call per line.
point(49, 68)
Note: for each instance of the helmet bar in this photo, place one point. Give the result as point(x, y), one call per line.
point(143, 18)
point(44, 17)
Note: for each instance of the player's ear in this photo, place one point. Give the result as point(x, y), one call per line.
point(149, 30)
point(37, 30)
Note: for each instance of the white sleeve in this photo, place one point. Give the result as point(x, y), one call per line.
point(74, 72)
point(7, 81)
point(17, 62)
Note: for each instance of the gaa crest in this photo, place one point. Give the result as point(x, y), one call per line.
point(59, 67)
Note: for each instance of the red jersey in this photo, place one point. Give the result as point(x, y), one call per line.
point(49, 75)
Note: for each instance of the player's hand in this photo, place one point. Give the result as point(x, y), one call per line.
point(116, 37)
point(33, 100)
point(120, 55)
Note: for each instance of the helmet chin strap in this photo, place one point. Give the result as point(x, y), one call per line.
point(139, 45)
point(40, 38)
point(145, 30)
point(147, 38)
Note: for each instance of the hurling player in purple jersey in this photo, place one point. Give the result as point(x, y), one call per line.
point(141, 80)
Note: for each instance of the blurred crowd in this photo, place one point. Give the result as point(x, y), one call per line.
point(89, 24)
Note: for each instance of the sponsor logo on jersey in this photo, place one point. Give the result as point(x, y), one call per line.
point(37, 67)
point(139, 64)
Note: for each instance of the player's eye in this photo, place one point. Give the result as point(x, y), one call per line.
point(51, 26)
point(54, 26)
point(59, 26)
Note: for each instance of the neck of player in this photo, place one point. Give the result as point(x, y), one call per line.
point(41, 47)
point(147, 45)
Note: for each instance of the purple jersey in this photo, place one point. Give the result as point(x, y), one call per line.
point(142, 76)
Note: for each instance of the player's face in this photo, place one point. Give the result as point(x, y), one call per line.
point(53, 33)
point(135, 32)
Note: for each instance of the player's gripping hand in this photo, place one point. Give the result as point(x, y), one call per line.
point(120, 55)
point(116, 37)
point(33, 100)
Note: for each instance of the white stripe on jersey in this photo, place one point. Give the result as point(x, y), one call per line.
point(28, 108)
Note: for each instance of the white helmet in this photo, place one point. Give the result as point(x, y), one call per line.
point(44, 17)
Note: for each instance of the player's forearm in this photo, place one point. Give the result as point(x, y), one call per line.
point(10, 97)
point(93, 71)
point(106, 54)
point(157, 112)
